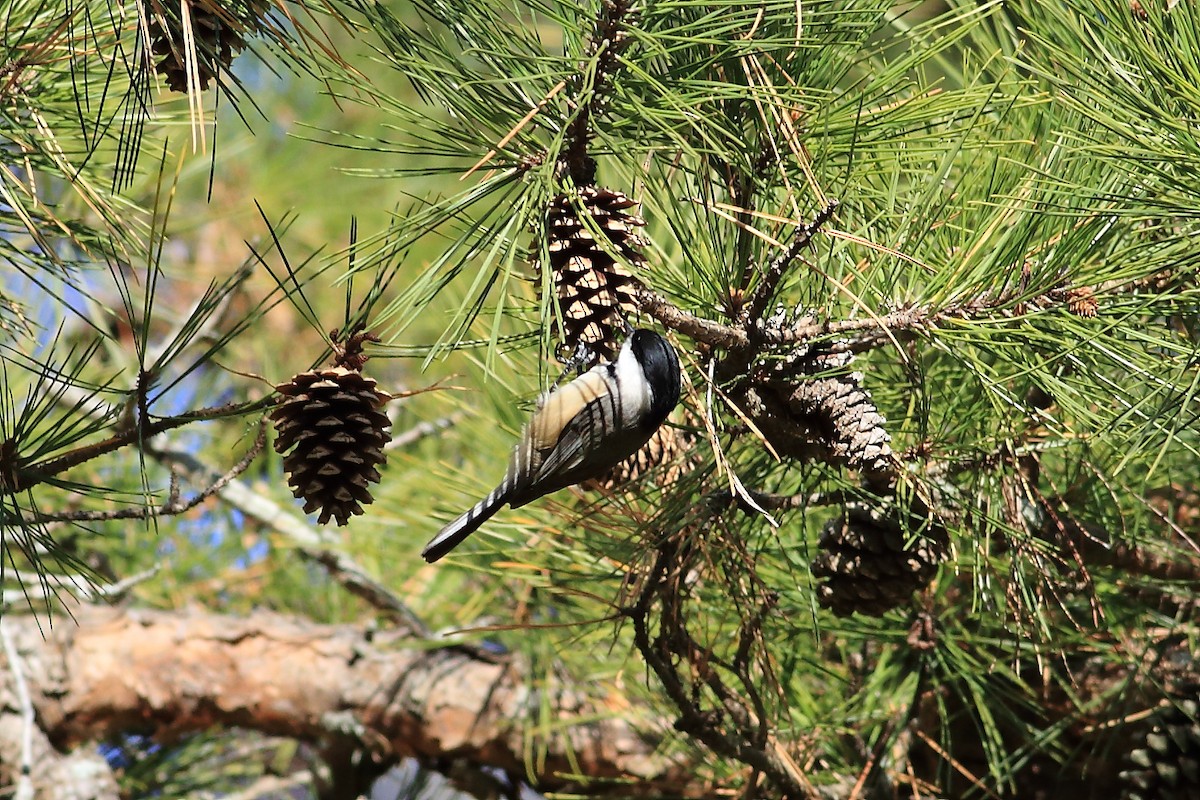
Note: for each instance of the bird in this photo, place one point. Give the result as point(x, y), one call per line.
point(581, 430)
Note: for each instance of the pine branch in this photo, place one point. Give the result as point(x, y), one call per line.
point(173, 506)
point(22, 477)
point(601, 63)
point(307, 541)
point(81, 587)
point(714, 334)
point(760, 299)
point(343, 684)
point(658, 603)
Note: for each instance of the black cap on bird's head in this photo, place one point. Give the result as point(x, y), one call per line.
point(660, 365)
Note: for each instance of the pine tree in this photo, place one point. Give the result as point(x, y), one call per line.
point(924, 527)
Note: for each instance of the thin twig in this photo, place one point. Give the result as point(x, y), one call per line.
point(422, 429)
point(765, 291)
point(778, 502)
point(30, 475)
point(605, 46)
point(296, 783)
point(706, 726)
point(307, 541)
point(81, 587)
point(703, 330)
point(355, 579)
point(858, 334)
point(914, 320)
point(172, 507)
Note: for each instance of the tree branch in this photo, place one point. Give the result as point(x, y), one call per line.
point(764, 293)
point(181, 672)
point(862, 334)
point(173, 506)
point(26, 476)
point(708, 331)
point(25, 706)
point(79, 586)
point(81, 774)
point(607, 41)
point(307, 540)
point(660, 596)
point(40, 770)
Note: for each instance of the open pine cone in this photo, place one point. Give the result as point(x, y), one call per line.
point(1166, 764)
point(333, 419)
point(863, 565)
point(811, 407)
point(218, 30)
point(592, 284)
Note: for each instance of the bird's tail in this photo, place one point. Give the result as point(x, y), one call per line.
point(452, 535)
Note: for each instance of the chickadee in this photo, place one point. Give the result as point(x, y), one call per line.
point(581, 430)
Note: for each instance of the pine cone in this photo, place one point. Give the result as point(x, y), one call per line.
point(1167, 766)
point(864, 567)
point(218, 29)
point(669, 454)
point(1082, 302)
point(591, 282)
point(333, 417)
point(830, 417)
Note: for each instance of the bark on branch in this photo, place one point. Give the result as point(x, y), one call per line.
point(178, 672)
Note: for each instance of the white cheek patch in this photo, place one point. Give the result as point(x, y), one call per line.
point(634, 388)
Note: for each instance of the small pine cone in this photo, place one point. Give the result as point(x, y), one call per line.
point(669, 454)
point(1082, 302)
point(864, 567)
point(334, 419)
point(218, 29)
point(1167, 764)
point(591, 282)
point(829, 417)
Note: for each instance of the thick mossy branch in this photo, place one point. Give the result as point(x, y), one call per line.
point(177, 673)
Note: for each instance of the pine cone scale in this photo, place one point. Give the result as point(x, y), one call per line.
point(218, 31)
point(863, 565)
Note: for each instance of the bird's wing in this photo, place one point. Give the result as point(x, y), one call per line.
point(564, 405)
point(561, 433)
